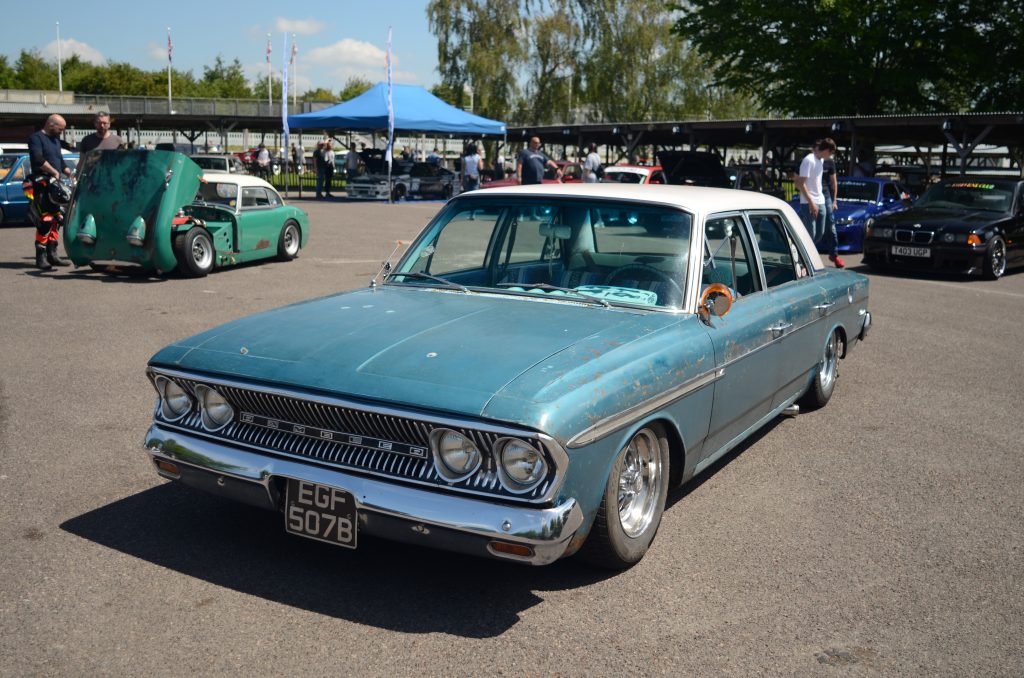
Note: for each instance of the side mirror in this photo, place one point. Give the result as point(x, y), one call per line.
point(716, 300)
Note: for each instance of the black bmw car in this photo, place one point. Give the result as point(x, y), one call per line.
point(964, 225)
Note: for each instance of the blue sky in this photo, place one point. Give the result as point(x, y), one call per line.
point(336, 40)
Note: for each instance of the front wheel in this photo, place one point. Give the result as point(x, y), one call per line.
point(194, 252)
point(820, 390)
point(288, 242)
point(995, 259)
point(633, 502)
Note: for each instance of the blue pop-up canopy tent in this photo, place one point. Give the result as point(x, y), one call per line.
point(416, 110)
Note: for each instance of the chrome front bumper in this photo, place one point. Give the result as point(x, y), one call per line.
point(385, 509)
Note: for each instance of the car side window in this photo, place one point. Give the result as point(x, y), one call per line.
point(721, 234)
point(275, 199)
point(19, 174)
point(780, 256)
point(254, 197)
point(889, 193)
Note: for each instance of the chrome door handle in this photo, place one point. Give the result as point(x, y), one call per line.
point(779, 329)
point(823, 308)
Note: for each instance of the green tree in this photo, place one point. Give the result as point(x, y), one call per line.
point(553, 67)
point(354, 86)
point(259, 88)
point(319, 94)
point(222, 80)
point(34, 72)
point(8, 76)
point(481, 45)
point(832, 57)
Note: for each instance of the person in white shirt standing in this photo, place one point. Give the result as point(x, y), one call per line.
point(591, 165)
point(812, 199)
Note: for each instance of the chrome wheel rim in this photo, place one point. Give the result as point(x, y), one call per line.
point(998, 260)
point(639, 483)
point(291, 240)
point(202, 252)
point(830, 364)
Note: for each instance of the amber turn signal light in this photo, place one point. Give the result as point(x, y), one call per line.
point(511, 549)
point(974, 239)
point(168, 467)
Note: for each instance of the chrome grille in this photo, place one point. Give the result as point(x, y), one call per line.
point(355, 423)
point(916, 237)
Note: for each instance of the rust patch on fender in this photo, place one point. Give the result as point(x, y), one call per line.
point(263, 244)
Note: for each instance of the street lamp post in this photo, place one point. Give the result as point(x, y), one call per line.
point(60, 68)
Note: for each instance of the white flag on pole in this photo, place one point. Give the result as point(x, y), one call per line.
point(391, 109)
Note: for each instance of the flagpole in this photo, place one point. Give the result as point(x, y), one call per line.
point(60, 68)
point(295, 72)
point(170, 47)
point(270, 88)
point(285, 57)
point(391, 120)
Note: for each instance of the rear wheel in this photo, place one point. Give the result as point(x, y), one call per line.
point(820, 390)
point(288, 242)
point(633, 502)
point(194, 251)
point(398, 193)
point(995, 259)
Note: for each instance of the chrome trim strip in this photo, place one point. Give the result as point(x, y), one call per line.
point(548, 530)
point(640, 410)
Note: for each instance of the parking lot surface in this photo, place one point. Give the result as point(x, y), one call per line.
point(883, 534)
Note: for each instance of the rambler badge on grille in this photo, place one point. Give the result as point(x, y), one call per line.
point(333, 436)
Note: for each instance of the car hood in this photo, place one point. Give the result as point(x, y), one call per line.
point(848, 209)
point(952, 219)
point(436, 349)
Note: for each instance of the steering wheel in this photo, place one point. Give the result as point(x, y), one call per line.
point(675, 296)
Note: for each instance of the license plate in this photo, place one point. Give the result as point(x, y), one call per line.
point(320, 512)
point(901, 251)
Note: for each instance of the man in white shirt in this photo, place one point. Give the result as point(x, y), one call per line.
point(591, 165)
point(812, 199)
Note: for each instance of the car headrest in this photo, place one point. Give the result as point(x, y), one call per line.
point(556, 231)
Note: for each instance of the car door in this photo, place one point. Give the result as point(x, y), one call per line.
point(805, 302)
point(258, 222)
point(12, 196)
point(744, 340)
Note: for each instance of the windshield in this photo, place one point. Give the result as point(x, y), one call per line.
point(623, 176)
point(555, 248)
point(219, 193)
point(211, 163)
point(864, 191)
point(973, 195)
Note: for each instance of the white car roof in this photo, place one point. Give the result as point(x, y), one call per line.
point(239, 179)
point(697, 199)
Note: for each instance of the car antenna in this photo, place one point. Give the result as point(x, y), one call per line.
point(385, 267)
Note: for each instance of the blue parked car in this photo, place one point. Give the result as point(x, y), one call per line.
point(861, 201)
point(528, 382)
point(13, 169)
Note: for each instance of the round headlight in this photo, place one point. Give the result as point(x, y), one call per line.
point(522, 465)
point(217, 411)
point(457, 454)
point(175, 402)
point(948, 237)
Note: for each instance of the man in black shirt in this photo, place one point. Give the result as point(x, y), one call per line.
point(102, 139)
point(531, 164)
point(47, 162)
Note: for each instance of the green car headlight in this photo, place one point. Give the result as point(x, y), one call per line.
point(522, 465)
point(455, 455)
point(175, 402)
point(216, 410)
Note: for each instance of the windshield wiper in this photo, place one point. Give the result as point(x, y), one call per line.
point(554, 288)
point(426, 276)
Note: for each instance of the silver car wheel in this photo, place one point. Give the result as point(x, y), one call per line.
point(829, 364)
point(998, 258)
point(639, 483)
point(291, 240)
point(202, 252)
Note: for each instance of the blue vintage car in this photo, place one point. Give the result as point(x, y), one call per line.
point(14, 167)
point(529, 381)
point(862, 200)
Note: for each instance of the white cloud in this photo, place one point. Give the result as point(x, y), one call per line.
point(348, 52)
point(69, 46)
point(299, 26)
point(156, 51)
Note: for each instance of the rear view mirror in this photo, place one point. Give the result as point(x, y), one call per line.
point(716, 301)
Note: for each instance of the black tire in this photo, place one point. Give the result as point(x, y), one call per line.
point(820, 391)
point(195, 252)
point(995, 259)
point(612, 543)
point(397, 193)
point(2, 216)
point(288, 242)
point(448, 190)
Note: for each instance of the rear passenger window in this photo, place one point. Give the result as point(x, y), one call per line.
point(720, 265)
point(780, 256)
point(254, 197)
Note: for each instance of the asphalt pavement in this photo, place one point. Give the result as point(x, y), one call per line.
point(883, 534)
